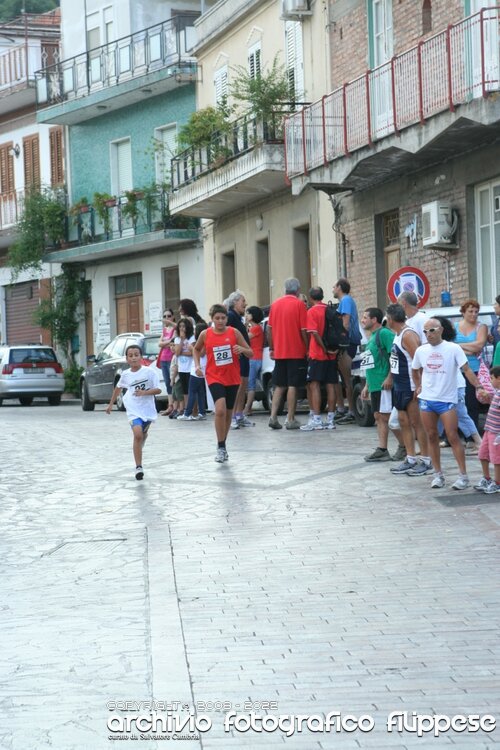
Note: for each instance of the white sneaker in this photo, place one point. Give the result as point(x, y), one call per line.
point(462, 482)
point(313, 424)
point(437, 482)
point(329, 424)
point(483, 484)
point(235, 425)
point(185, 418)
point(220, 456)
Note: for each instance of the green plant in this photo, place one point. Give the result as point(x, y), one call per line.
point(130, 208)
point(63, 311)
point(101, 203)
point(42, 224)
point(264, 94)
point(81, 206)
point(201, 126)
point(72, 378)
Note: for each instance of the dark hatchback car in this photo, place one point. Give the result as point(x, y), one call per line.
point(103, 372)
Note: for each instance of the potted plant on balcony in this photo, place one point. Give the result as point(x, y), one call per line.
point(42, 225)
point(102, 202)
point(130, 207)
point(265, 96)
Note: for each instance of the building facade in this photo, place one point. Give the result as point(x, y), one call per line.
point(256, 233)
point(406, 142)
point(123, 86)
point(31, 155)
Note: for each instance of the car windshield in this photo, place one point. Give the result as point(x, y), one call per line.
point(150, 346)
point(18, 356)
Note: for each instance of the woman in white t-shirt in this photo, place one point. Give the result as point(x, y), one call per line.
point(184, 352)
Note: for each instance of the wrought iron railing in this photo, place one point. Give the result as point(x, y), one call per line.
point(164, 45)
point(451, 68)
point(240, 136)
point(122, 217)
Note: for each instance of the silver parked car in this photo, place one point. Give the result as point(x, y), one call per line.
point(30, 371)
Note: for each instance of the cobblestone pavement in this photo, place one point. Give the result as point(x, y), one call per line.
point(295, 573)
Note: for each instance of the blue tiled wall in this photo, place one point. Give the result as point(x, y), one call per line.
point(89, 141)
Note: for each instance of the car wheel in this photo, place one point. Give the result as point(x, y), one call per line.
point(119, 399)
point(362, 409)
point(87, 404)
point(1, 401)
point(269, 391)
point(25, 400)
point(55, 400)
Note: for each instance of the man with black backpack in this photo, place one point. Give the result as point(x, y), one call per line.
point(322, 363)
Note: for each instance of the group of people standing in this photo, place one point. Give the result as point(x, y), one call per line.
point(421, 375)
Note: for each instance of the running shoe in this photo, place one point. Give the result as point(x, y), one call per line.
point(339, 414)
point(437, 482)
point(346, 419)
point(139, 472)
point(292, 424)
point(220, 456)
point(400, 454)
point(483, 484)
point(329, 424)
point(226, 455)
point(244, 421)
point(404, 467)
point(186, 418)
point(313, 424)
point(491, 489)
point(461, 483)
point(173, 414)
point(420, 469)
point(235, 425)
point(379, 454)
point(274, 424)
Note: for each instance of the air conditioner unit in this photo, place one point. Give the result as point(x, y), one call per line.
point(293, 9)
point(439, 225)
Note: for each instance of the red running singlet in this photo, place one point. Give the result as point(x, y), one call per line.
point(223, 365)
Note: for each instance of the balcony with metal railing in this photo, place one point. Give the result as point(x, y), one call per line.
point(145, 63)
point(122, 225)
point(370, 119)
point(239, 165)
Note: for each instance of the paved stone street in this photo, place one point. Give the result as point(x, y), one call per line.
point(296, 573)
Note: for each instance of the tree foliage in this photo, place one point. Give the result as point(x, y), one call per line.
point(12, 8)
point(201, 126)
point(62, 313)
point(42, 223)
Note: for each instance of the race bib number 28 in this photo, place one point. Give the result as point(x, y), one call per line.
point(223, 355)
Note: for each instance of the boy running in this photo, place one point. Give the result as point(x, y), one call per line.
point(222, 346)
point(142, 386)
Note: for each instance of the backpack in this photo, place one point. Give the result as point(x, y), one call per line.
point(335, 336)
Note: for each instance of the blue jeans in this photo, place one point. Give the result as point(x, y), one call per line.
point(165, 368)
point(196, 393)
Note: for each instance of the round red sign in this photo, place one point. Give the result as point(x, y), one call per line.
point(409, 279)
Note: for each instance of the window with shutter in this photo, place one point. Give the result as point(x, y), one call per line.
point(254, 55)
point(6, 169)
point(166, 139)
point(31, 154)
point(121, 155)
point(220, 81)
point(56, 157)
point(295, 59)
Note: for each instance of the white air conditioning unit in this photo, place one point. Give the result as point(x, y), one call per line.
point(439, 225)
point(293, 9)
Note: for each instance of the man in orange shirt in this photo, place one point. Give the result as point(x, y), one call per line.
point(322, 366)
point(287, 338)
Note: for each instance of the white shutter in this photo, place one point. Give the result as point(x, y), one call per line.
point(123, 166)
point(220, 81)
point(167, 141)
point(254, 55)
point(295, 58)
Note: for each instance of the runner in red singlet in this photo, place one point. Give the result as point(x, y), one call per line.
point(223, 346)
